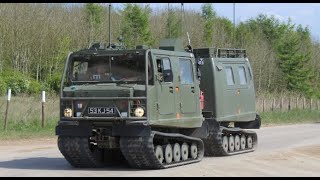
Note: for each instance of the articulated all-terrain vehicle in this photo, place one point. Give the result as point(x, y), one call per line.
point(155, 108)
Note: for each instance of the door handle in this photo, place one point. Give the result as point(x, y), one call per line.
point(171, 89)
point(192, 89)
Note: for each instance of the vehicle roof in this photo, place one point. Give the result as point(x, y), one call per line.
point(108, 52)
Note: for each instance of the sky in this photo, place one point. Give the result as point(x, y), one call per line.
point(306, 14)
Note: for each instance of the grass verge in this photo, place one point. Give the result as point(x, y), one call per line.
point(24, 117)
point(295, 116)
point(21, 130)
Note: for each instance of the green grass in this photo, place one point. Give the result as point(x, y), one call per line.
point(27, 130)
point(290, 117)
point(24, 117)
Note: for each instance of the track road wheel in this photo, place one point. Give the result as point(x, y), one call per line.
point(243, 142)
point(184, 151)
point(168, 153)
point(194, 151)
point(225, 143)
point(159, 153)
point(231, 143)
point(176, 152)
point(249, 142)
point(237, 142)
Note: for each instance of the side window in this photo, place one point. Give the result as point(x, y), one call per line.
point(166, 64)
point(242, 75)
point(186, 72)
point(229, 74)
point(164, 69)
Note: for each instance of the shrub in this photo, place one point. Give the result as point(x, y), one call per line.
point(16, 81)
point(54, 82)
point(35, 87)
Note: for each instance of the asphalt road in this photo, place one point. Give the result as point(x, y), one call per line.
point(292, 150)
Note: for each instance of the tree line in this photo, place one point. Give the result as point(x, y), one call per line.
point(36, 38)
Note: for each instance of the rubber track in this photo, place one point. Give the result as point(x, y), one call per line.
point(139, 151)
point(77, 152)
point(213, 144)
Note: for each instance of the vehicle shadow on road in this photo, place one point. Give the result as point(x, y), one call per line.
point(45, 163)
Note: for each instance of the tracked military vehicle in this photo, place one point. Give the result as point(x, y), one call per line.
point(155, 108)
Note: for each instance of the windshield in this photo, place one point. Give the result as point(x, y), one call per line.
point(129, 67)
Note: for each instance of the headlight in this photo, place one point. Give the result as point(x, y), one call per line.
point(68, 112)
point(139, 112)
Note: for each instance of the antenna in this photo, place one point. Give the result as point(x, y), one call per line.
point(234, 22)
point(110, 25)
point(188, 38)
point(168, 23)
point(182, 11)
point(189, 45)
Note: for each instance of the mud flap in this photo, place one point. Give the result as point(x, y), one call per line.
point(74, 128)
point(256, 124)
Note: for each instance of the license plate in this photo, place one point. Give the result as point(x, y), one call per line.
point(101, 110)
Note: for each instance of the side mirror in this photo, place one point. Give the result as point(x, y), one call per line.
point(160, 77)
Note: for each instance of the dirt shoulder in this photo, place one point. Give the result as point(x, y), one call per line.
point(30, 141)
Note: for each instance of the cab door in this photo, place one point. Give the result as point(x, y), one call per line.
point(165, 91)
point(245, 92)
point(187, 87)
point(230, 92)
point(238, 103)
